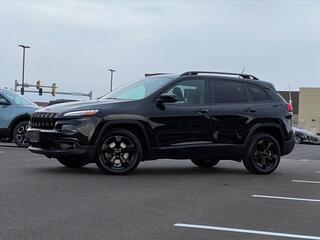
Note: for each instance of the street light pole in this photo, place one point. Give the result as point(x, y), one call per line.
point(111, 71)
point(23, 63)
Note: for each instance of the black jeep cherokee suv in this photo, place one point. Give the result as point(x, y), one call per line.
point(202, 116)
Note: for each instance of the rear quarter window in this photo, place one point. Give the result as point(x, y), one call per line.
point(257, 93)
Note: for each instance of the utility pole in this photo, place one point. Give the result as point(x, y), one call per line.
point(111, 71)
point(23, 63)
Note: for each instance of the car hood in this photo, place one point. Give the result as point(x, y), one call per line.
point(62, 108)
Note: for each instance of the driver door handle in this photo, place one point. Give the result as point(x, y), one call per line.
point(251, 110)
point(201, 111)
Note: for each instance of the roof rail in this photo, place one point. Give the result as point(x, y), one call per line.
point(246, 76)
point(153, 74)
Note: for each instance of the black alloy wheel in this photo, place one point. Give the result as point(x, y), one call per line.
point(119, 152)
point(263, 155)
point(19, 134)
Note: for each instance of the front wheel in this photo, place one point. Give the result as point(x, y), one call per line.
point(119, 152)
point(73, 161)
point(263, 154)
point(19, 134)
point(205, 163)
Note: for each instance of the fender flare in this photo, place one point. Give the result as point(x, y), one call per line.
point(263, 125)
point(125, 122)
point(18, 119)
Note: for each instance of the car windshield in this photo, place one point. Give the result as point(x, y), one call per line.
point(139, 89)
point(17, 98)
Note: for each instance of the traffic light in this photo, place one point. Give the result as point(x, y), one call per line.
point(53, 86)
point(39, 87)
point(22, 90)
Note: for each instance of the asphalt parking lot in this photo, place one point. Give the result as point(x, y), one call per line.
point(164, 199)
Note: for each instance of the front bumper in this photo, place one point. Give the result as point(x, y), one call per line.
point(54, 144)
point(288, 146)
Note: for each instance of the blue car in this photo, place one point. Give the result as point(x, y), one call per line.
point(15, 111)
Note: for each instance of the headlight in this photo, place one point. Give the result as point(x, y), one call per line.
point(81, 113)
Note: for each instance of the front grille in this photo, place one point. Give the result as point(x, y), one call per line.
point(43, 120)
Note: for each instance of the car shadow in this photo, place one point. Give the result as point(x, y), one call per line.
point(146, 171)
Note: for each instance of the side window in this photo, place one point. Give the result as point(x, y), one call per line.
point(228, 92)
point(191, 91)
point(257, 94)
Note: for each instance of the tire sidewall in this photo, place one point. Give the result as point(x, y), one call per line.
point(137, 157)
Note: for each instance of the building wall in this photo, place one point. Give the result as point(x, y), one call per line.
point(309, 109)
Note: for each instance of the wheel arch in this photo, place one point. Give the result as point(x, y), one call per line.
point(273, 129)
point(135, 127)
point(17, 120)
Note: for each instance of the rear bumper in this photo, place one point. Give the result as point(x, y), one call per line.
point(288, 146)
point(55, 144)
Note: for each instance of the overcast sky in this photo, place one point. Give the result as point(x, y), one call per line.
point(73, 43)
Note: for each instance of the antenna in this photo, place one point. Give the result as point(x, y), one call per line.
point(242, 71)
point(290, 99)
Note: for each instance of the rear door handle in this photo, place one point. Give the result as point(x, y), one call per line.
point(251, 110)
point(201, 111)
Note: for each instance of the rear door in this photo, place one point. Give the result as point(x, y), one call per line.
point(231, 115)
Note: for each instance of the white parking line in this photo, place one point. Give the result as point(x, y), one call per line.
point(1, 152)
point(304, 160)
point(305, 181)
point(317, 171)
point(238, 230)
point(286, 198)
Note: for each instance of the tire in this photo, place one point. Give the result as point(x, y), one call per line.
point(263, 154)
point(119, 152)
point(298, 140)
point(73, 161)
point(19, 134)
point(205, 163)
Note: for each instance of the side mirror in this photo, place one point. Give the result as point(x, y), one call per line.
point(4, 102)
point(166, 98)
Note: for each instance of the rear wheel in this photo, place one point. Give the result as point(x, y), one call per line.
point(263, 154)
point(298, 140)
point(119, 152)
point(205, 163)
point(19, 134)
point(73, 161)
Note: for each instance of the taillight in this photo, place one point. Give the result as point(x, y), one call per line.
point(289, 107)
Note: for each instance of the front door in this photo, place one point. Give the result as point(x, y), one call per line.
point(184, 123)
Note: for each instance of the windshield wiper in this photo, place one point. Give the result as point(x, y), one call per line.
point(111, 98)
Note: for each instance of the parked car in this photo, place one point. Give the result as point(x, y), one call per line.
point(202, 116)
point(15, 111)
point(304, 136)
